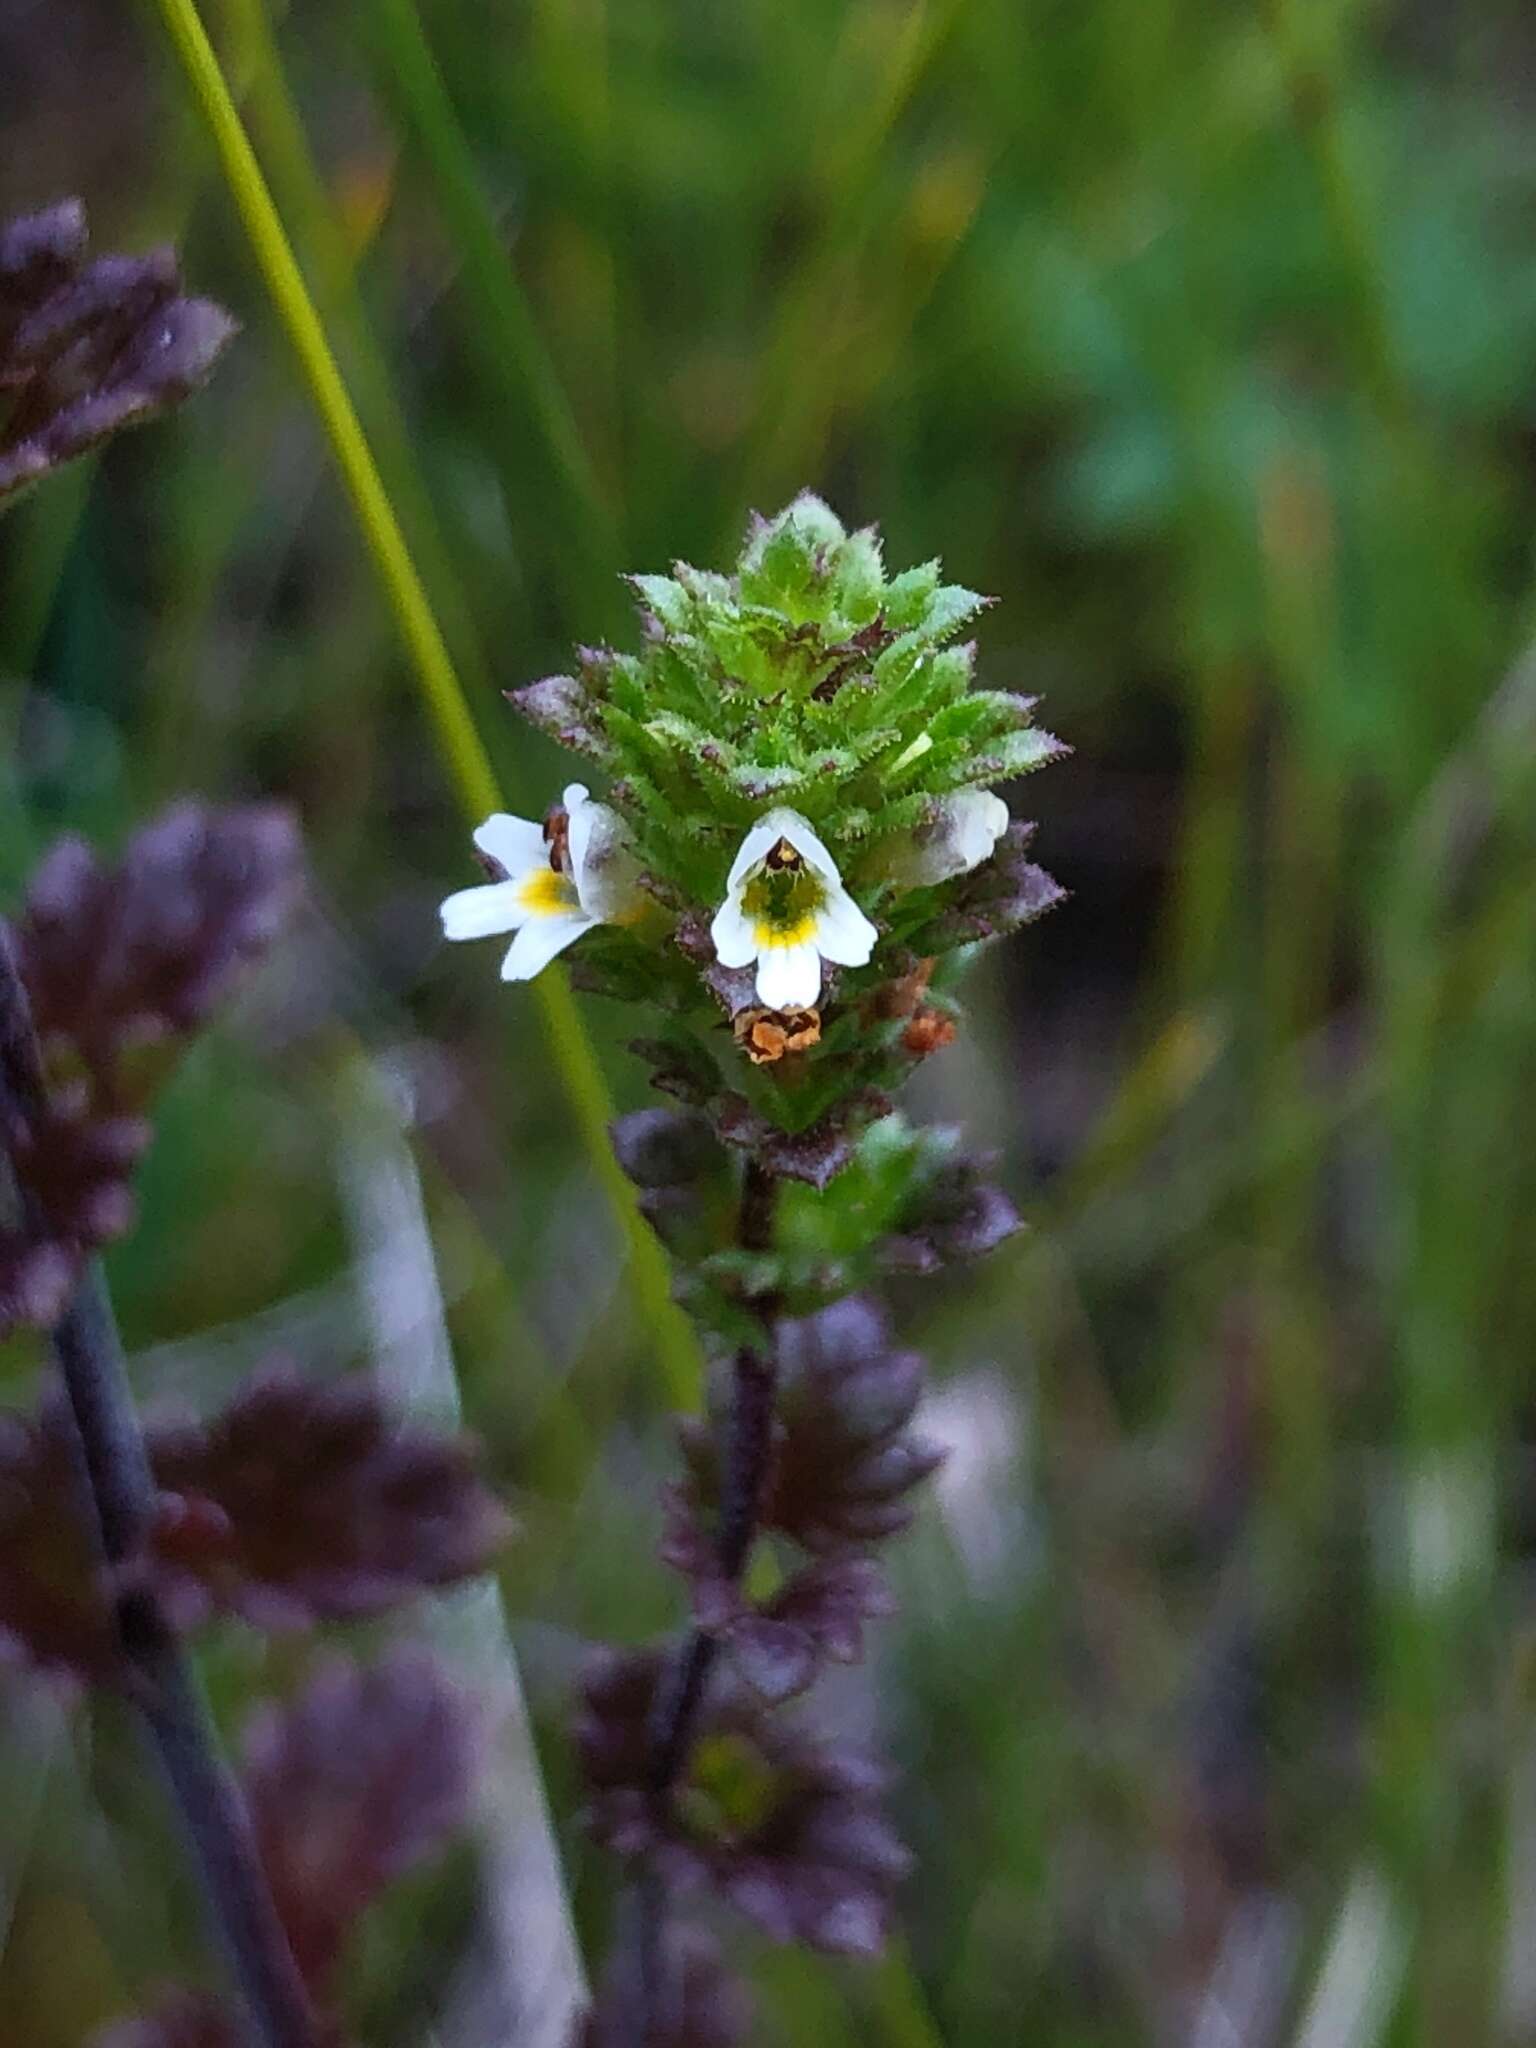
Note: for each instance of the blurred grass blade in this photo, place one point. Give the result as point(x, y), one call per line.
point(1362, 1971)
point(462, 745)
point(463, 749)
point(793, 408)
point(510, 345)
point(48, 523)
point(332, 256)
point(527, 1985)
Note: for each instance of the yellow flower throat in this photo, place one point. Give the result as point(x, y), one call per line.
point(546, 893)
point(783, 902)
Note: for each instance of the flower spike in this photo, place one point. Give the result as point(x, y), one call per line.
point(808, 775)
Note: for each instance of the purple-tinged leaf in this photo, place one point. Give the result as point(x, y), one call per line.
point(787, 1829)
point(368, 1773)
point(952, 1213)
point(305, 1502)
point(89, 348)
point(844, 1462)
point(562, 707)
point(119, 965)
point(1000, 896)
point(299, 1503)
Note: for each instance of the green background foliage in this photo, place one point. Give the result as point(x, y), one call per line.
point(1206, 338)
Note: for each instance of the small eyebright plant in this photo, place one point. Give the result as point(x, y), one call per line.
point(800, 845)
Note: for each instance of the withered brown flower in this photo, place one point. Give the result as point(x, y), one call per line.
point(765, 1036)
point(928, 1030)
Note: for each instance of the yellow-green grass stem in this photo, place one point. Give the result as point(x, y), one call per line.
point(463, 750)
point(332, 255)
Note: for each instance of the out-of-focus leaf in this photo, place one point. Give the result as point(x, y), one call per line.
point(364, 1776)
point(787, 1829)
point(299, 1503)
point(120, 964)
point(89, 347)
point(183, 2019)
point(701, 2004)
point(306, 1502)
point(52, 1614)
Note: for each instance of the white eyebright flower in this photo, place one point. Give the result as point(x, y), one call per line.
point(786, 908)
point(961, 835)
point(559, 883)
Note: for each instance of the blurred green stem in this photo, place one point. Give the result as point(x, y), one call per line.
point(452, 722)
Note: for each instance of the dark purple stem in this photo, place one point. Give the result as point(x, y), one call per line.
point(119, 1491)
point(754, 1374)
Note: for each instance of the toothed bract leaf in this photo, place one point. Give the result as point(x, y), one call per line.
point(304, 1502)
point(806, 676)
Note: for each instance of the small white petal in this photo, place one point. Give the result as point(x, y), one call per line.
point(780, 823)
point(482, 912)
point(578, 828)
point(760, 840)
point(797, 831)
point(789, 977)
point(574, 795)
point(517, 843)
point(843, 932)
point(978, 818)
point(963, 832)
point(538, 943)
point(732, 935)
point(603, 866)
